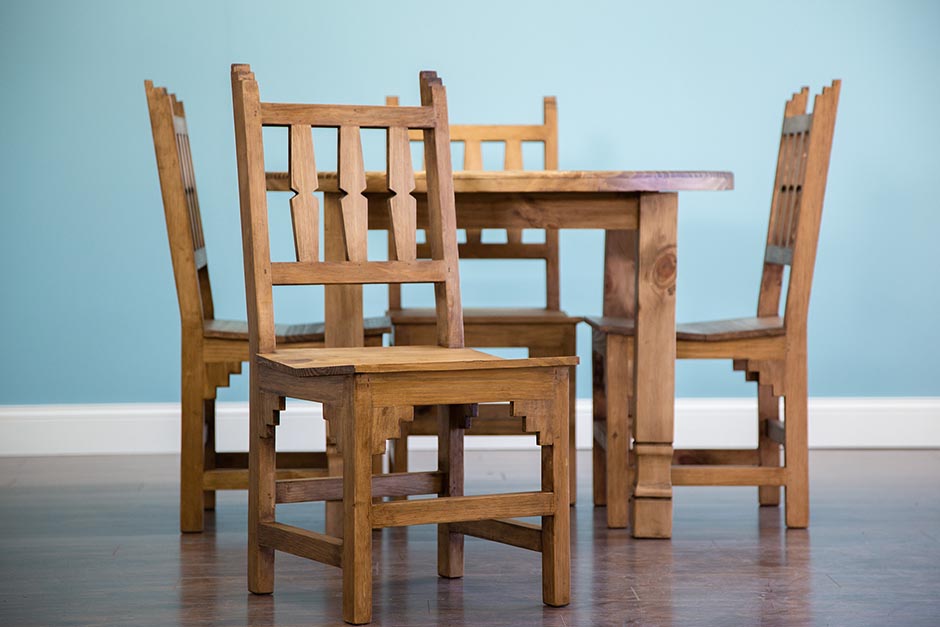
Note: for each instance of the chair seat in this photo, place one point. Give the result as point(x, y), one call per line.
point(287, 333)
point(314, 362)
point(711, 331)
point(486, 315)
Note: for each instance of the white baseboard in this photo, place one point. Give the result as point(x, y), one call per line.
point(27, 430)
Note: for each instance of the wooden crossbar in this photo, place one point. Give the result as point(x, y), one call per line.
point(728, 475)
point(779, 255)
point(493, 132)
point(331, 488)
point(513, 532)
point(776, 431)
point(797, 124)
point(285, 460)
point(303, 542)
point(334, 116)
point(462, 508)
point(706, 457)
point(342, 273)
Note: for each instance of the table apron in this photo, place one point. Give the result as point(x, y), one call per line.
point(527, 210)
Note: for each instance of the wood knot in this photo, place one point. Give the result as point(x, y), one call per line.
point(664, 271)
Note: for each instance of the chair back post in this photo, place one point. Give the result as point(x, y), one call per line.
point(349, 229)
point(181, 207)
point(796, 205)
point(442, 212)
point(825, 106)
point(249, 149)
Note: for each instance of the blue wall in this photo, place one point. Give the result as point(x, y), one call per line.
point(89, 310)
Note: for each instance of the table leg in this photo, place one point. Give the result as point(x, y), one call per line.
point(654, 365)
point(343, 308)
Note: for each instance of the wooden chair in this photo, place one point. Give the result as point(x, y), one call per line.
point(369, 391)
point(770, 349)
point(212, 350)
point(545, 332)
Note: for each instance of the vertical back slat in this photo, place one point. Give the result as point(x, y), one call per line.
point(402, 206)
point(352, 182)
point(472, 155)
point(442, 217)
point(768, 302)
point(473, 160)
point(394, 289)
point(513, 161)
point(513, 157)
point(305, 210)
point(550, 122)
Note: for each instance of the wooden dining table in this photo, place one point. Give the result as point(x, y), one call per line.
point(638, 212)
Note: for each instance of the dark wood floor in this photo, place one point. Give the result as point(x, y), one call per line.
point(93, 541)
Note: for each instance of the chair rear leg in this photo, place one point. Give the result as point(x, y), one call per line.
point(768, 408)
point(619, 370)
point(450, 461)
point(796, 451)
point(398, 451)
point(556, 529)
point(598, 453)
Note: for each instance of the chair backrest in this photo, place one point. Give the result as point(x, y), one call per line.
point(473, 136)
point(796, 205)
point(261, 274)
point(181, 206)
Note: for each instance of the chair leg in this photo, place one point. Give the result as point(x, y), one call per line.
point(556, 529)
point(334, 465)
point(450, 462)
point(619, 370)
point(398, 451)
point(354, 420)
point(261, 487)
point(796, 451)
point(191, 445)
point(768, 408)
point(599, 455)
point(208, 411)
point(567, 347)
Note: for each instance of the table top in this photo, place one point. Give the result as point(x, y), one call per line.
point(542, 181)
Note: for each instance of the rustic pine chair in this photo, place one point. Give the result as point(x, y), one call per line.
point(770, 349)
point(212, 350)
point(369, 391)
point(545, 332)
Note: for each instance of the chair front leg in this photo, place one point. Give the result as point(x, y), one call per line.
point(556, 529)
point(208, 412)
point(355, 421)
point(262, 469)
